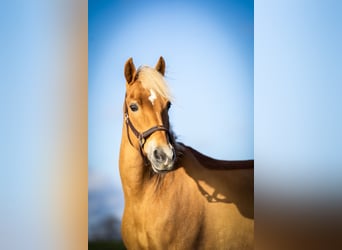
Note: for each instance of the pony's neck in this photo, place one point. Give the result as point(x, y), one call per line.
point(133, 171)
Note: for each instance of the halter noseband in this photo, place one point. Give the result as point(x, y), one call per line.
point(144, 135)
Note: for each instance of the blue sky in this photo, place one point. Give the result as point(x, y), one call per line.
point(208, 49)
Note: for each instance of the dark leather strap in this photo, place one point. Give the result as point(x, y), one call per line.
point(143, 136)
point(129, 123)
point(150, 131)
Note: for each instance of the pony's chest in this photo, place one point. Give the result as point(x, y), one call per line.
point(165, 222)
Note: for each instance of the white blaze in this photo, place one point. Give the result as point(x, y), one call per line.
point(153, 96)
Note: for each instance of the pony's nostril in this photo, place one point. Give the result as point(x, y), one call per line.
point(159, 155)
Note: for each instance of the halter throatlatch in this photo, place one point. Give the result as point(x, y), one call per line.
point(142, 137)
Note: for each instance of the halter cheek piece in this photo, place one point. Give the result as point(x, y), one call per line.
point(142, 137)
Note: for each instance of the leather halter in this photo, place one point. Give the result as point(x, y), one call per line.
point(142, 137)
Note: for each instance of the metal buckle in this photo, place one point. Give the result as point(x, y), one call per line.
point(142, 141)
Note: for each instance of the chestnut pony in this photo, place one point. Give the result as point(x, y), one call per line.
point(176, 197)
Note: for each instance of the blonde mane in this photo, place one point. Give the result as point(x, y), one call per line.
point(152, 79)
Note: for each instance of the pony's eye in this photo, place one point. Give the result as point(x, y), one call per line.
point(168, 105)
point(134, 107)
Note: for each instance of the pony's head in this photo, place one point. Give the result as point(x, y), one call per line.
point(146, 108)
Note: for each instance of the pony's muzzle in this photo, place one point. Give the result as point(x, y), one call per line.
point(162, 158)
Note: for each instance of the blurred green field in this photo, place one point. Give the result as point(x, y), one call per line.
point(106, 245)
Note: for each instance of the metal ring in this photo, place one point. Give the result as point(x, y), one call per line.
point(141, 141)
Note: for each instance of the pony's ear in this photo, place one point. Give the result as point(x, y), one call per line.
point(129, 70)
point(160, 66)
